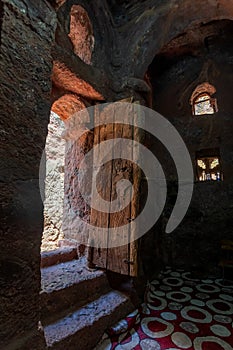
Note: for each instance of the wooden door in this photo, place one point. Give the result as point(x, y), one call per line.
point(120, 259)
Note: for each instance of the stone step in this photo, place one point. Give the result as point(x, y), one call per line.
point(82, 329)
point(67, 286)
point(58, 256)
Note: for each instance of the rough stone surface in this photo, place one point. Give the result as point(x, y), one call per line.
point(57, 256)
point(68, 286)
point(85, 327)
point(77, 187)
point(176, 74)
point(54, 183)
point(81, 33)
point(58, 277)
point(27, 33)
point(66, 209)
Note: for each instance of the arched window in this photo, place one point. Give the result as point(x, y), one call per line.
point(202, 101)
point(81, 33)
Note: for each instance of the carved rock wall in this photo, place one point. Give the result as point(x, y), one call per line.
point(196, 241)
point(78, 182)
point(27, 34)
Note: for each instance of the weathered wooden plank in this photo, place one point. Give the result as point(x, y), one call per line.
point(98, 218)
point(135, 204)
point(118, 257)
point(121, 259)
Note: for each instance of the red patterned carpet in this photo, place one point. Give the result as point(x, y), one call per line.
point(181, 313)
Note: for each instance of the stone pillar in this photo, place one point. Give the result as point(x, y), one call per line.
point(27, 33)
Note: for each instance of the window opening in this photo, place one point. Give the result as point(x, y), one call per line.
point(208, 167)
point(202, 101)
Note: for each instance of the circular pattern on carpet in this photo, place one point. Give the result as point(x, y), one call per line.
point(190, 283)
point(175, 306)
point(222, 319)
point(165, 288)
point(207, 281)
point(181, 340)
point(218, 306)
point(159, 293)
point(179, 297)
point(224, 283)
point(197, 302)
point(220, 330)
point(149, 344)
point(138, 319)
point(130, 343)
point(189, 327)
point(186, 289)
point(149, 323)
point(145, 309)
point(156, 303)
point(175, 274)
point(207, 316)
point(226, 297)
point(180, 313)
point(210, 341)
point(207, 288)
point(187, 276)
point(202, 296)
point(173, 281)
point(155, 282)
point(152, 288)
point(134, 313)
point(168, 316)
point(227, 290)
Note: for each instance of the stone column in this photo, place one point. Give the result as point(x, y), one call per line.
point(27, 33)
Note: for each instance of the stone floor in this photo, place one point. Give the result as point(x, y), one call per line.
point(181, 312)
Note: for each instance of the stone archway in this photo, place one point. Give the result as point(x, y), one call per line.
point(81, 33)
